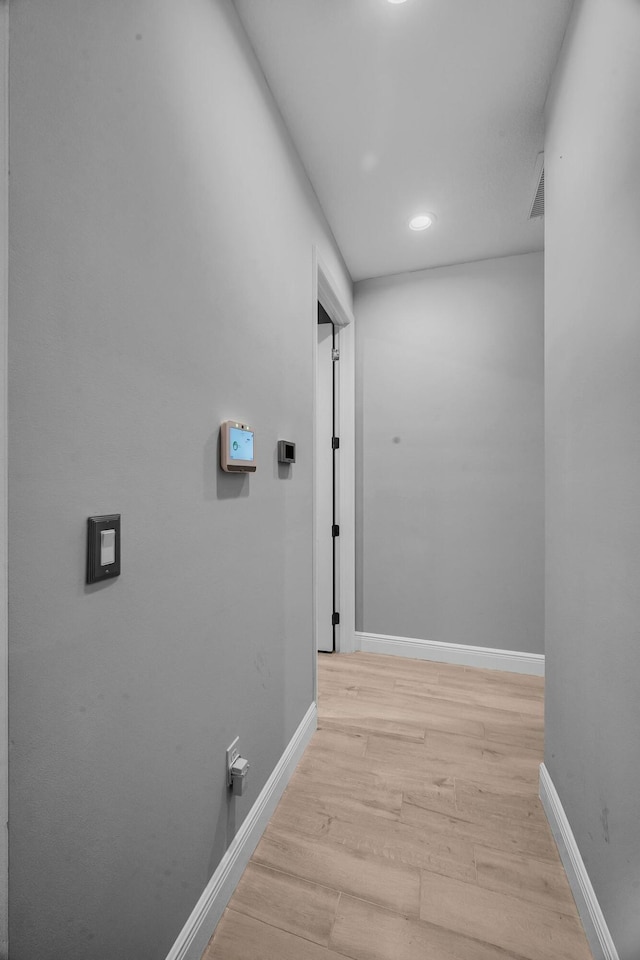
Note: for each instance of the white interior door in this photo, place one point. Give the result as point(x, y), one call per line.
point(325, 575)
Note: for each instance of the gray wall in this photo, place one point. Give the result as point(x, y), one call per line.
point(450, 459)
point(160, 282)
point(592, 161)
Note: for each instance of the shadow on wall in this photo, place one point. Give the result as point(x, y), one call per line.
point(281, 471)
point(225, 829)
point(218, 485)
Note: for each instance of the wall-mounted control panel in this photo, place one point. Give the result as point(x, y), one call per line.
point(237, 453)
point(103, 547)
point(286, 451)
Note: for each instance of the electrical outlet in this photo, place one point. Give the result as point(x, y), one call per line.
point(233, 752)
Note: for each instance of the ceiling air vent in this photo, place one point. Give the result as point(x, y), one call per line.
point(537, 207)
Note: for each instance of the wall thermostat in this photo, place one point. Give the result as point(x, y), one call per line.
point(286, 451)
point(237, 453)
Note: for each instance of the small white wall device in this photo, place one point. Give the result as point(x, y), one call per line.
point(237, 453)
point(237, 769)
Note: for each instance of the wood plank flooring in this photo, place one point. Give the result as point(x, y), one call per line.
point(411, 829)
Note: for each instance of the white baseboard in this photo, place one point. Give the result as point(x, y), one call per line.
point(487, 657)
point(199, 928)
point(593, 921)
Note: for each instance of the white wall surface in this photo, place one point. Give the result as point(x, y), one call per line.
point(450, 462)
point(592, 310)
point(4, 731)
point(160, 282)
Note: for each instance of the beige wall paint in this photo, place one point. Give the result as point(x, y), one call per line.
point(592, 307)
point(450, 454)
point(160, 282)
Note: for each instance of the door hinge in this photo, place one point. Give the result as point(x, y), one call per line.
point(335, 530)
point(335, 443)
point(335, 354)
point(335, 619)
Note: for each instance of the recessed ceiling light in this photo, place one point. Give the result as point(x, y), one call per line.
point(396, 1)
point(422, 221)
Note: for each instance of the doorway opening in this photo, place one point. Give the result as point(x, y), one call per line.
point(338, 586)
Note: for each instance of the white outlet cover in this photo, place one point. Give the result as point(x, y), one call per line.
point(233, 752)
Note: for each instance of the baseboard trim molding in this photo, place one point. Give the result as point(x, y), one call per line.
point(593, 921)
point(487, 657)
point(199, 928)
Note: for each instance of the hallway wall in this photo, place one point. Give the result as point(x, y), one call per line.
point(450, 454)
point(160, 282)
point(592, 160)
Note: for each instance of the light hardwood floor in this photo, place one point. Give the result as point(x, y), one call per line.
point(411, 829)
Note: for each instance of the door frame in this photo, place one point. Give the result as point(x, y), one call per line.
point(4, 693)
point(326, 291)
point(327, 480)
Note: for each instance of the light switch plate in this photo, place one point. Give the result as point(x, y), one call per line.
point(96, 527)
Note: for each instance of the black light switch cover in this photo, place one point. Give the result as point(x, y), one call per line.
point(95, 569)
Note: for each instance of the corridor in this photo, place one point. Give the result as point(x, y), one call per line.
point(412, 827)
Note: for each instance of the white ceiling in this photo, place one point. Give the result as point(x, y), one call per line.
point(395, 109)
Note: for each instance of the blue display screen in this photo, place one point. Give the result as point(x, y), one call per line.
point(240, 444)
